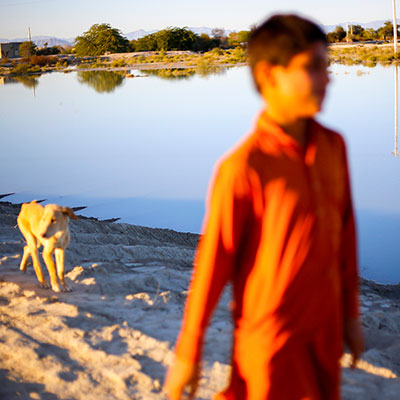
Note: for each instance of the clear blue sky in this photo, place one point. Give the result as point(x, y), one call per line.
point(67, 19)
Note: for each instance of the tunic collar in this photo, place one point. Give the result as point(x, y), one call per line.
point(273, 138)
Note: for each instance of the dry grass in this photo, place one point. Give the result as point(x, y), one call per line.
point(363, 54)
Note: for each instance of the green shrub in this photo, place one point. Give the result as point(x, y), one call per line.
point(24, 68)
point(216, 52)
point(84, 65)
point(61, 65)
point(98, 64)
point(138, 59)
point(21, 68)
point(369, 56)
point(118, 63)
point(237, 55)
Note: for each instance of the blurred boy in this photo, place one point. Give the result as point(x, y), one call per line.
point(280, 227)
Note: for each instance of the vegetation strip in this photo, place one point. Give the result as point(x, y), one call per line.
point(103, 47)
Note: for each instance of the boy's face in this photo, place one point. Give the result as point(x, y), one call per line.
point(298, 90)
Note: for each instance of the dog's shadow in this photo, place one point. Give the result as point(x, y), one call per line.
point(10, 389)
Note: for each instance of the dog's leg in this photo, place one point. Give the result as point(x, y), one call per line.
point(24, 260)
point(48, 259)
point(25, 257)
point(59, 253)
point(26, 220)
point(36, 265)
point(31, 249)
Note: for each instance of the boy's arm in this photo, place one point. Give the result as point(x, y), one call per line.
point(353, 335)
point(214, 264)
point(180, 375)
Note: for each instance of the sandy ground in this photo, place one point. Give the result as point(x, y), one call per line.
point(113, 336)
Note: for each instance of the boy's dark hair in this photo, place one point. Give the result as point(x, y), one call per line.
point(280, 38)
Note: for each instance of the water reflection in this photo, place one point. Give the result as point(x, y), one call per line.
point(207, 70)
point(185, 73)
point(5, 80)
point(170, 73)
point(101, 81)
point(28, 81)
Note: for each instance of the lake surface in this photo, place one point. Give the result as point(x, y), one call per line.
point(143, 149)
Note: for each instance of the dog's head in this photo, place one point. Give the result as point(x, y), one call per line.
point(55, 219)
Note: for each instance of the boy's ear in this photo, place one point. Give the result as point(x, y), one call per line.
point(263, 73)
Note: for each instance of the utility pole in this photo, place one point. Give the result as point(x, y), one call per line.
point(394, 28)
point(396, 119)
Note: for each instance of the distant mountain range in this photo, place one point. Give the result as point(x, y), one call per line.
point(366, 25)
point(41, 40)
point(54, 41)
point(199, 30)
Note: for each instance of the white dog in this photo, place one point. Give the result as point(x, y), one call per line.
point(47, 226)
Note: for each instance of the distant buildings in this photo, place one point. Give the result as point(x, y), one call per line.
point(9, 50)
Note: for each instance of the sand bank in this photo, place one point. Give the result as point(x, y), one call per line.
point(113, 336)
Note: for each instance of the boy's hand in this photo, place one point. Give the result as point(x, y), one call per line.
point(181, 374)
point(354, 338)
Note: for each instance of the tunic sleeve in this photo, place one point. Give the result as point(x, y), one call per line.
point(349, 252)
point(214, 262)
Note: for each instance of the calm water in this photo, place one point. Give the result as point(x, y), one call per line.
point(143, 149)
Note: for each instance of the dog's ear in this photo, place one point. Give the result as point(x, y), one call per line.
point(69, 212)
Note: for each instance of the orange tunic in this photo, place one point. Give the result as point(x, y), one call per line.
point(280, 227)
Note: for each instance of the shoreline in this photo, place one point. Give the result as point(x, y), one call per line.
point(388, 290)
point(139, 67)
point(100, 210)
point(136, 60)
point(357, 53)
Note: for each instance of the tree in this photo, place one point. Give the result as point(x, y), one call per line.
point(27, 49)
point(370, 34)
point(233, 39)
point(175, 39)
point(100, 39)
point(358, 32)
point(45, 51)
point(133, 45)
point(219, 35)
point(337, 35)
point(167, 39)
point(243, 36)
point(205, 43)
point(238, 38)
point(385, 32)
point(145, 43)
